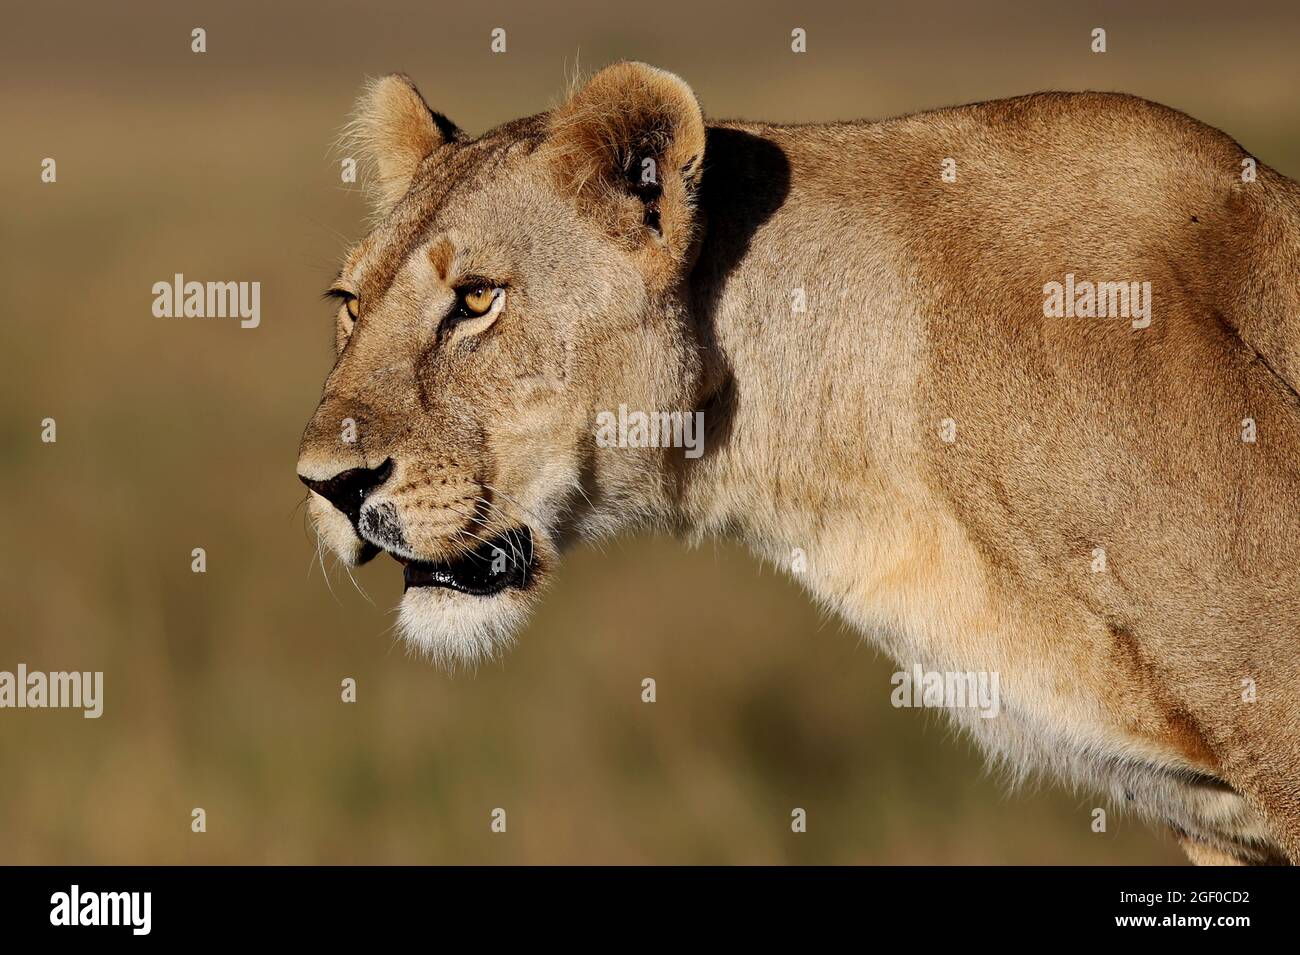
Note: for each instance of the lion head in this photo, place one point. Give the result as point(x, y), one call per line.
point(514, 287)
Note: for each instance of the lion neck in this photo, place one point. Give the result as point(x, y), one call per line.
point(809, 372)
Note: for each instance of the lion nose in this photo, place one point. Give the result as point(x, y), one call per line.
point(349, 489)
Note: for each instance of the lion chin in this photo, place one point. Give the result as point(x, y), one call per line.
point(459, 631)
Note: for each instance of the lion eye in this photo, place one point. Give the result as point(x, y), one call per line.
point(478, 299)
point(349, 300)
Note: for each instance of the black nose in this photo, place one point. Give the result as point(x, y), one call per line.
point(349, 489)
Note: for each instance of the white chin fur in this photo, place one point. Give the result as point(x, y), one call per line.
point(457, 630)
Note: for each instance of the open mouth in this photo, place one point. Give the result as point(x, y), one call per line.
point(504, 561)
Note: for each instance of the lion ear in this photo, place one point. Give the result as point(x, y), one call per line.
point(392, 131)
point(629, 147)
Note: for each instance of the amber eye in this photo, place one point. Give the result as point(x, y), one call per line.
point(478, 299)
point(354, 308)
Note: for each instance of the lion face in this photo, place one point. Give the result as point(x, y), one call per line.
point(515, 286)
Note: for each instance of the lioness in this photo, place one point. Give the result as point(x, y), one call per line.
point(916, 371)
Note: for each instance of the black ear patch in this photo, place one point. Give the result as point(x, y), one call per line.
point(691, 171)
point(649, 193)
point(450, 131)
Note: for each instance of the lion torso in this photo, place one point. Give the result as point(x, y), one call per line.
point(1100, 508)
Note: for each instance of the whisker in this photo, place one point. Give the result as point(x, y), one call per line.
point(360, 589)
point(325, 573)
point(527, 511)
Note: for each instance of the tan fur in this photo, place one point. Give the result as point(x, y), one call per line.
point(392, 129)
point(924, 306)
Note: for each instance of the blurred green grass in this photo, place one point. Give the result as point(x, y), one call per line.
point(222, 690)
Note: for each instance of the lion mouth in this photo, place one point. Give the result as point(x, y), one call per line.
point(504, 561)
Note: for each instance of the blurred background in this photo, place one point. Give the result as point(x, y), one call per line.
point(222, 690)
